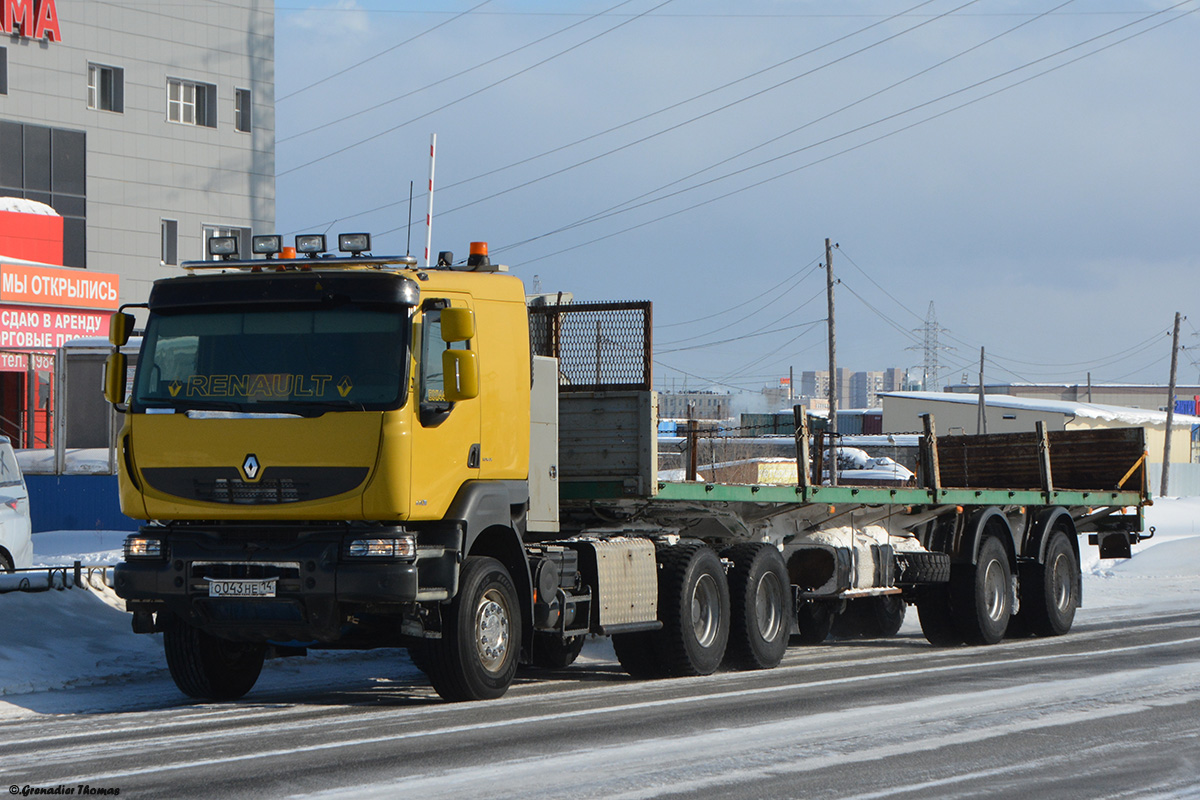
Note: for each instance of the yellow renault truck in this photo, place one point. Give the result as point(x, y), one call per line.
point(353, 452)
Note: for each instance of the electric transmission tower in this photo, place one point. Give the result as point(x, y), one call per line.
point(931, 329)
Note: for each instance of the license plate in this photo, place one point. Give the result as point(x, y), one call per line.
point(241, 588)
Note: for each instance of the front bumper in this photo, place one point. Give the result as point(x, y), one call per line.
point(322, 595)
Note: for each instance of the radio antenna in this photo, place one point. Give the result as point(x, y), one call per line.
point(408, 247)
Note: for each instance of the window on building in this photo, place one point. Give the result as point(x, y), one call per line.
point(242, 115)
point(3, 70)
point(106, 88)
point(190, 103)
point(170, 242)
point(243, 235)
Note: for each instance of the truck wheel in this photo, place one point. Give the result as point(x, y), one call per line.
point(814, 621)
point(1050, 596)
point(476, 658)
point(208, 667)
point(693, 604)
point(937, 618)
point(760, 606)
point(6, 564)
point(870, 618)
point(418, 654)
point(554, 652)
point(982, 597)
point(637, 655)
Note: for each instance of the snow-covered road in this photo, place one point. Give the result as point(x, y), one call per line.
point(1109, 710)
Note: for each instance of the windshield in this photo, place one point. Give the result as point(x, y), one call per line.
point(303, 361)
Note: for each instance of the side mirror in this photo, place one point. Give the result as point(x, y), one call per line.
point(461, 371)
point(458, 324)
point(115, 368)
point(120, 326)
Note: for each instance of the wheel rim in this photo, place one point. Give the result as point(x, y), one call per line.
point(995, 587)
point(768, 605)
point(492, 636)
point(1061, 582)
point(706, 610)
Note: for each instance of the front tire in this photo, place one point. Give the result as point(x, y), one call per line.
point(476, 658)
point(208, 667)
point(760, 606)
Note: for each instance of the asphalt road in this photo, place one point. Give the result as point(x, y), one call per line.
point(1110, 710)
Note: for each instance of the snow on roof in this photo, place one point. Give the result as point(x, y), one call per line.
point(1128, 416)
point(23, 206)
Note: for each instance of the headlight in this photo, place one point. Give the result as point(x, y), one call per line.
point(390, 547)
point(144, 547)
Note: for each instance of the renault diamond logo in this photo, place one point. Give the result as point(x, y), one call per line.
point(250, 466)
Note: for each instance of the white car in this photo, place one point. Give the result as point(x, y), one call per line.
point(16, 544)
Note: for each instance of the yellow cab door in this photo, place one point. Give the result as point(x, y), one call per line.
point(446, 433)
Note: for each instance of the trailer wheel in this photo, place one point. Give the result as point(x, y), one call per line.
point(870, 618)
point(208, 667)
point(760, 606)
point(476, 658)
point(6, 564)
point(937, 618)
point(982, 596)
point(637, 655)
point(555, 652)
point(693, 604)
point(1050, 596)
point(814, 622)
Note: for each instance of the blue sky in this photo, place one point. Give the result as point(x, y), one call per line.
point(1028, 167)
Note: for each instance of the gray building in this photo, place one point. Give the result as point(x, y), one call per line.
point(695, 405)
point(148, 127)
point(1130, 395)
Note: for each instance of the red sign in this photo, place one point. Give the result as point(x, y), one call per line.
point(24, 328)
point(32, 19)
point(51, 286)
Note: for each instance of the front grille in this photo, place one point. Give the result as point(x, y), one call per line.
point(248, 570)
point(264, 492)
point(286, 611)
point(279, 485)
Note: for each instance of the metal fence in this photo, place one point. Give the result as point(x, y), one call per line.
point(599, 346)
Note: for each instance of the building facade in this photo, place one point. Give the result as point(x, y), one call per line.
point(147, 127)
point(130, 133)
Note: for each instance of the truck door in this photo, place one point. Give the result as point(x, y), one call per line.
point(446, 435)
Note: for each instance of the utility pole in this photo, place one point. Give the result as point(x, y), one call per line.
point(832, 428)
point(1166, 467)
point(981, 425)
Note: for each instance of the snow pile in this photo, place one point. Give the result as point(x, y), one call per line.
point(19, 205)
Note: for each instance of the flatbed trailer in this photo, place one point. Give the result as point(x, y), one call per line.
point(356, 453)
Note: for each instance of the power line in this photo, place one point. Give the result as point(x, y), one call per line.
point(779, 175)
point(469, 95)
point(382, 53)
point(711, 112)
point(450, 77)
point(659, 111)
